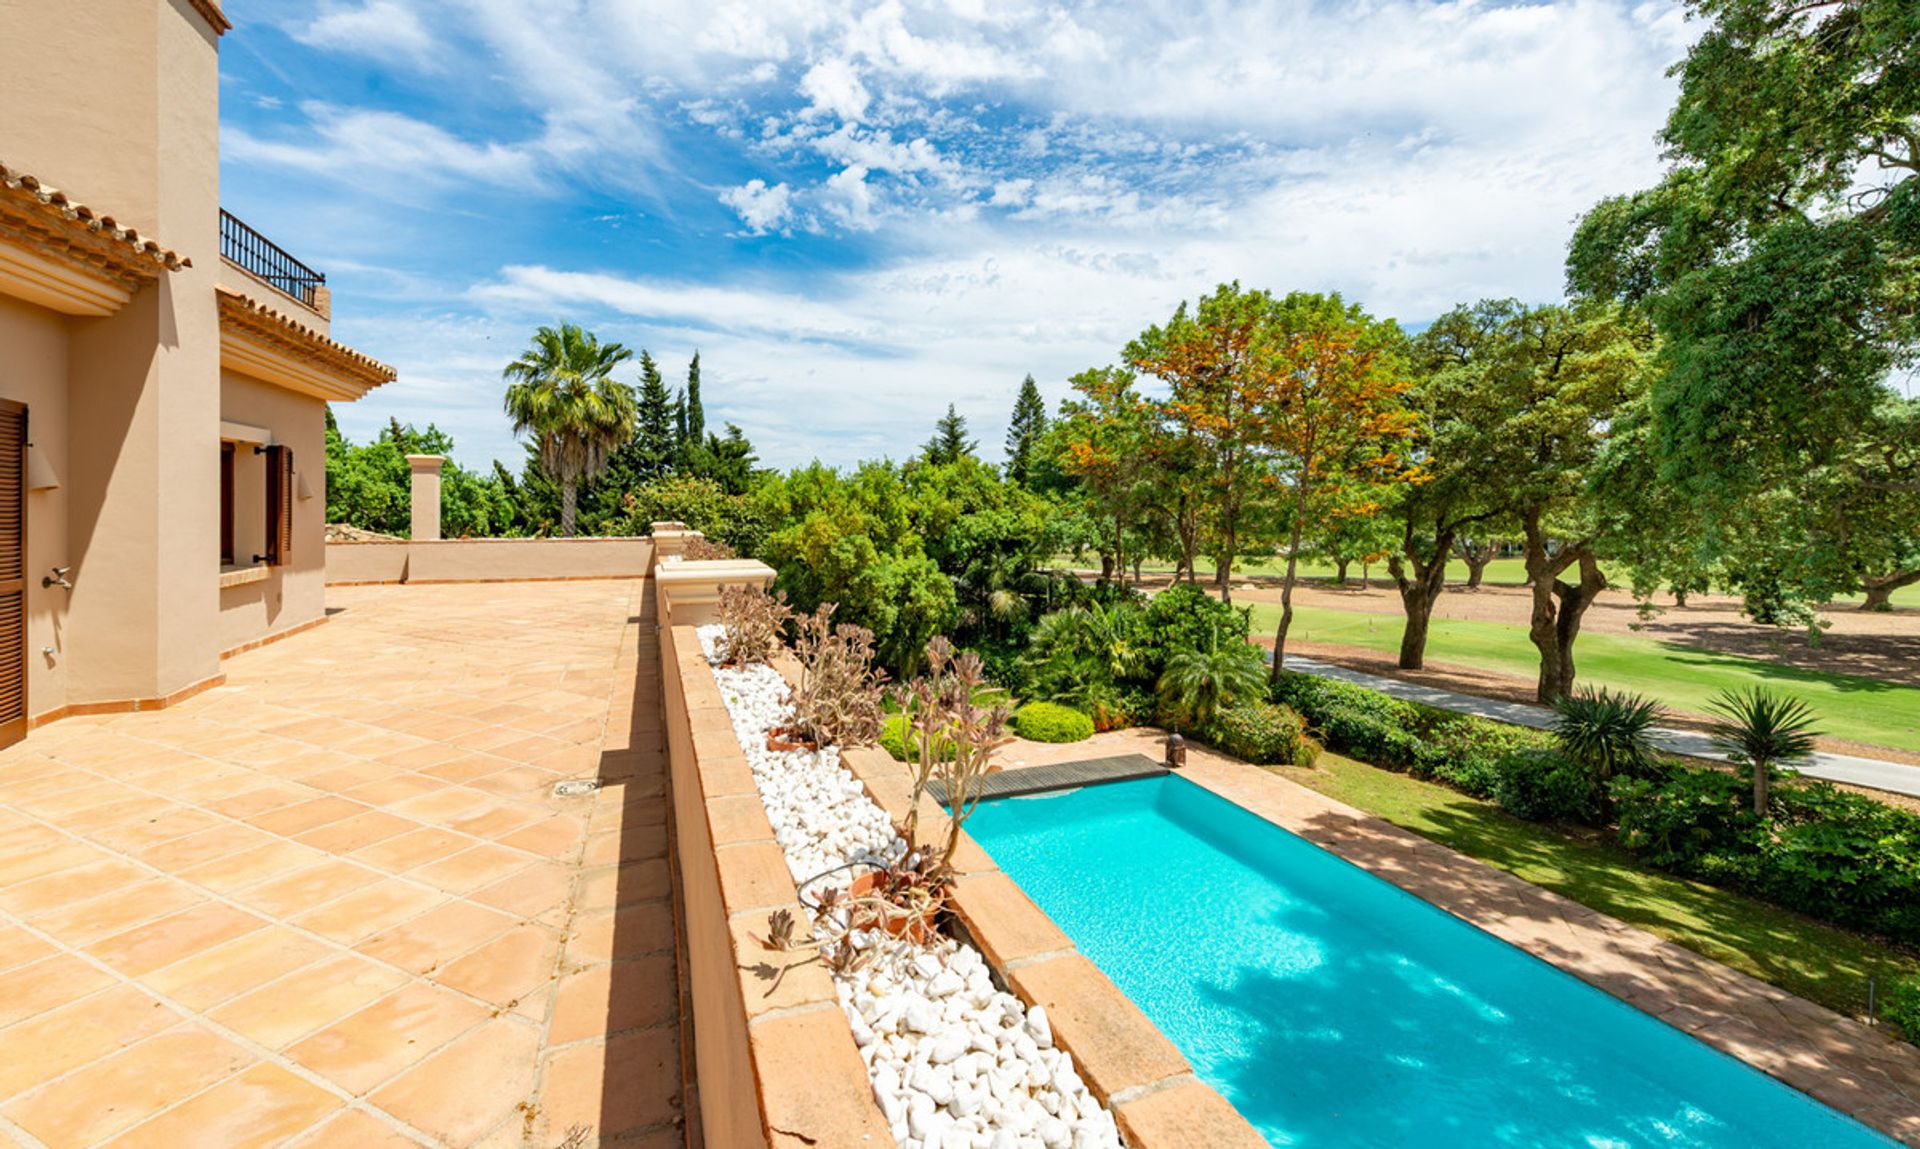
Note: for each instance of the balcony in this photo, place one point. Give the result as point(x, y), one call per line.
point(271, 264)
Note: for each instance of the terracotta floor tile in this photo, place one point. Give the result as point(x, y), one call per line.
point(366, 912)
point(506, 969)
point(277, 858)
point(97, 818)
point(632, 932)
point(169, 939)
point(616, 1086)
point(265, 1106)
point(176, 822)
point(469, 1087)
point(18, 947)
point(388, 791)
point(437, 937)
point(128, 1087)
point(363, 1050)
point(28, 899)
point(46, 984)
point(275, 795)
point(530, 892)
point(612, 998)
point(350, 834)
point(470, 869)
point(495, 819)
point(355, 1129)
point(302, 816)
point(245, 963)
point(611, 887)
point(554, 837)
point(222, 841)
point(318, 995)
point(83, 922)
point(313, 886)
point(24, 865)
point(407, 851)
point(44, 1047)
point(465, 768)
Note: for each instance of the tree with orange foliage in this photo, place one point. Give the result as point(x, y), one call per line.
point(1326, 387)
point(1209, 357)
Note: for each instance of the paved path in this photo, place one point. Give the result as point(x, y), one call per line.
point(1872, 772)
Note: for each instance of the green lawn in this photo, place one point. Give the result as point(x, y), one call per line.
point(1512, 572)
point(1861, 709)
point(1818, 962)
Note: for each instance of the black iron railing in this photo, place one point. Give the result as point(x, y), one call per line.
point(267, 260)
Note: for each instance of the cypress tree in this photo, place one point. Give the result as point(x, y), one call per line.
point(653, 438)
point(949, 443)
point(1023, 433)
point(696, 432)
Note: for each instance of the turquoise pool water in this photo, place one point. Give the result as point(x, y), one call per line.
point(1333, 1009)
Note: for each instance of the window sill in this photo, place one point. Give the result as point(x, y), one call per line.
point(242, 575)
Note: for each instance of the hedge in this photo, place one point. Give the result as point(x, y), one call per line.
point(1458, 749)
point(1051, 722)
point(1262, 732)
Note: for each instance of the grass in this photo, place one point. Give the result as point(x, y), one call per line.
point(1510, 572)
point(1683, 677)
point(1819, 962)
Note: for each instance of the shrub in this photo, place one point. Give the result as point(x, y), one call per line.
point(1051, 722)
point(1182, 618)
point(1901, 1006)
point(893, 739)
point(1261, 732)
point(1608, 734)
point(1674, 823)
point(1201, 681)
point(1543, 785)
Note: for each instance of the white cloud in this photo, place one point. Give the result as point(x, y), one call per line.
point(353, 144)
point(833, 86)
point(380, 29)
point(761, 208)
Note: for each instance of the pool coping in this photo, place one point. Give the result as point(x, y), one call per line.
point(1838, 1061)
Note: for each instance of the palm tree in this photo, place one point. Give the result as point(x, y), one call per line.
point(1202, 682)
point(561, 392)
point(1762, 730)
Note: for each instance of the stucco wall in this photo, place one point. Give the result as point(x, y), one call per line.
point(293, 593)
point(33, 371)
point(367, 562)
point(489, 560)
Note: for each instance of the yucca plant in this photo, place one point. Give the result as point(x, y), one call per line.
point(1201, 682)
point(1607, 734)
point(1762, 730)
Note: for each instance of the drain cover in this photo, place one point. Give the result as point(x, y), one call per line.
point(574, 787)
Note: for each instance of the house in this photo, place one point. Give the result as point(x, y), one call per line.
point(164, 373)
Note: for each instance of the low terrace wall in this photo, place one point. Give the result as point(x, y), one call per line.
point(779, 1068)
point(776, 1067)
point(487, 560)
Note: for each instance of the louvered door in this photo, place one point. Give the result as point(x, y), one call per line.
point(13, 572)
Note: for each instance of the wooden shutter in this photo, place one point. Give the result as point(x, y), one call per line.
point(13, 572)
point(279, 505)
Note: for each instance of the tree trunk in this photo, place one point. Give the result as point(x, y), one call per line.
point(1419, 593)
point(569, 494)
point(1476, 569)
point(1286, 593)
point(1880, 590)
point(1106, 565)
point(1558, 606)
point(1760, 782)
point(1340, 571)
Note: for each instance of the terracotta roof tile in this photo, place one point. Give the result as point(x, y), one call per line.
point(77, 219)
point(251, 313)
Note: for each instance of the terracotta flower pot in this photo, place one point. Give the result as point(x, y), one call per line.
point(901, 922)
point(783, 738)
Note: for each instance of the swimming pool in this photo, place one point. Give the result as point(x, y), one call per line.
point(1334, 1009)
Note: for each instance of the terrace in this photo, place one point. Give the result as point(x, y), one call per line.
point(338, 900)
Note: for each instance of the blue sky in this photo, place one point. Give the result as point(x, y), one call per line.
point(859, 213)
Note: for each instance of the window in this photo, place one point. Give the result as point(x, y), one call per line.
point(227, 460)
